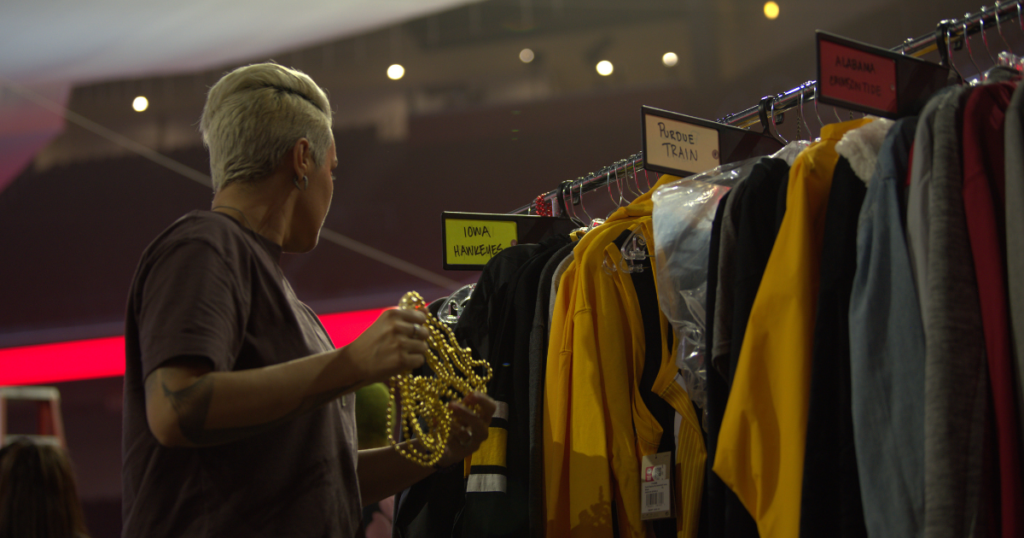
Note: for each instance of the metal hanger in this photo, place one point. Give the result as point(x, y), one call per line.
point(772, 116)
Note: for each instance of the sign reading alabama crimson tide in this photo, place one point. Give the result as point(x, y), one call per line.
point(857, 76)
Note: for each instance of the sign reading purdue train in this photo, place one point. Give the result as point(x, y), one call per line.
point(682, 145)
point(674, 145)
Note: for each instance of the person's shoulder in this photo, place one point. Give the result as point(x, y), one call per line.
point(216, 232)
point(217, 229)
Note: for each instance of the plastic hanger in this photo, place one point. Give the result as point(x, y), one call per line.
point(619, 183)
point(999, 28)
point(636, 180)
point(802, 119)
point(967, 41)
point(570, 208)
point(591, 222)
point(949, 48)
point(608, 182)
point(817, 88)
point(984, 35)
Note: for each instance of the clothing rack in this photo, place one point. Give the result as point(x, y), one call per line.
point(949, 34)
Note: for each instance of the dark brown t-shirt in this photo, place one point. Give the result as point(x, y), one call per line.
point(208, 287)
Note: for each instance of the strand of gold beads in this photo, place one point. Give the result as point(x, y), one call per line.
point(425, 413)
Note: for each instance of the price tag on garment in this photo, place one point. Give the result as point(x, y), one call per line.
point(853, 74)
point(679, 147)
point(475, 242)
point(656, 486)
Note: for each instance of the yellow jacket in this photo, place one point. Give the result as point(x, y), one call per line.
point(595, 358)
point(760, 451)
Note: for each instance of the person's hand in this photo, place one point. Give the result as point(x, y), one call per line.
point(469, 428)
point(395, 343)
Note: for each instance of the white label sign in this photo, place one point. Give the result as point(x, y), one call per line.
point(679, 146)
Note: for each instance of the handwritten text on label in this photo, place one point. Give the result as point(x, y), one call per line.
point(858, 77)
point(475, 242)
point(680, 146)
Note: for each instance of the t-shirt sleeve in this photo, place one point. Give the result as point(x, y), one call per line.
point(194, 303)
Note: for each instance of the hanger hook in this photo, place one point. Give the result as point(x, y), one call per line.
point(984, 35)
point(608, 182)
point(999, 28)
point(625, 179)
point(967, 41)
point(583, 207)
point(803, 119)
point(636, 180)
point(947, 30)
point(817, 87)
point(618, 183)
point(777, 133)
point(647, 179)
point(570, 208)
point(607, 178)
point(1020, 17)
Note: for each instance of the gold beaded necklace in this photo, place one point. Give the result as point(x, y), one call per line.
point(425, 414)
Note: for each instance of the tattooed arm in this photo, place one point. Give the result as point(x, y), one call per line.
point(188, 404)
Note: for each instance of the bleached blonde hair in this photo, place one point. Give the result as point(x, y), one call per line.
point(255, 114)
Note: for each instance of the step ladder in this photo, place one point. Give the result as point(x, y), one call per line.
point(49, 424)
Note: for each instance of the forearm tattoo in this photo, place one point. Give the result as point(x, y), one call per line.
point(192, 406)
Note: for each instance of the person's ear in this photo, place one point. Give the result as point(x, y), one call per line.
point(301, 158)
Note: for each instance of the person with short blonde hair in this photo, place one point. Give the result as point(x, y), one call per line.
point(255, 114)
point(239, 414)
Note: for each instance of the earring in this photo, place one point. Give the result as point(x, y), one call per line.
point(305, 181)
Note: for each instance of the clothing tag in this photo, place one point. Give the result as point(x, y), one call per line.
point(656, 486)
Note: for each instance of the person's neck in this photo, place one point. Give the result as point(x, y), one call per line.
point(257, 207)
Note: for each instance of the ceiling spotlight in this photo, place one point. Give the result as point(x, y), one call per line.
point(140, 103)
point(771, 10)
point(396, 72)
point(670, 59)
point(605, 68)
point(526, 56)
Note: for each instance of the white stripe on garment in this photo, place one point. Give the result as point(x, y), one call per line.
point(501, 411)
point(486, 482)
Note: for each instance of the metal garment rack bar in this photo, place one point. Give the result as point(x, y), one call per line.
point(949, 34)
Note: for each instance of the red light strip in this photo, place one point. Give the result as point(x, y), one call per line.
point(104, 357)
